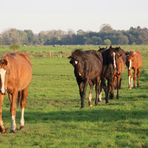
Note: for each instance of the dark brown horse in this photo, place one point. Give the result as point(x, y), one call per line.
point(87, 69)
point(134, 62)
point(15, 77)
point(119, 62)
point(114, 60)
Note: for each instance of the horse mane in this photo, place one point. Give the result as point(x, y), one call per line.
point(77, 52)
point(26, 56)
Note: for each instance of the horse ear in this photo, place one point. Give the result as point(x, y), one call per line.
point(126, 53)
point(69, 57)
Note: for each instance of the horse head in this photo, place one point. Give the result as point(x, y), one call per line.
point(3, 71)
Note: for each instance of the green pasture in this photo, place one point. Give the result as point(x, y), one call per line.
point(53, 117)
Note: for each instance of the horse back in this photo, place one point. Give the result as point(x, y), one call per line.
point(20, 70)
point(139, 59)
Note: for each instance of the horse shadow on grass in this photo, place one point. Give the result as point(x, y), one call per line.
point(104, 115)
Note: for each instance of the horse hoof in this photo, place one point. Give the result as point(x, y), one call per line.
point(12, 131)
point(21, 127)
point(3, 131)
point(117, 97)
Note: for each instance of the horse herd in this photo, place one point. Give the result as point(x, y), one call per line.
point(102, 69)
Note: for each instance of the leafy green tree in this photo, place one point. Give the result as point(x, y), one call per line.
point(14, 36)
point(30, 36)
point(107, 42)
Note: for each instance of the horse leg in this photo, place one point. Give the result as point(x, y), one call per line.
point(104, 87)
point(82, 90)
point(130, 79)
point(111, 89)
point(138, 77)
point(13, 111)
point(23, 105)
point(81, 87)
point(117, 87)
point(90, 94)
point(135, 73)
point(98, 91)
point(2, 128)
point(120, 80)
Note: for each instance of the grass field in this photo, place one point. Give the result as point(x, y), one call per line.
point(53, 116)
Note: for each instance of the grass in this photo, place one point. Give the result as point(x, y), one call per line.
point(54, 119)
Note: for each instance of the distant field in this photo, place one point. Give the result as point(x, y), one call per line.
point(53, 116)
point(45, 51)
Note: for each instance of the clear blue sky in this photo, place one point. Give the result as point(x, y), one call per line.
point(43, 15)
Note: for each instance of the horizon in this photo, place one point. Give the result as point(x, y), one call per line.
point(88, 15)
point(70, 29)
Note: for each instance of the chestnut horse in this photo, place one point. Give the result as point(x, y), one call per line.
point(15, 77)
point(134, 61)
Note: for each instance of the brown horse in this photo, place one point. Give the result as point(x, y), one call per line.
point(134, 61)
point(87, 69)
point(119, 61)
point(15, 77)
point(114, 60)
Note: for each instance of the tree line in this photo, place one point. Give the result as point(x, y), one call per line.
point(106, 36)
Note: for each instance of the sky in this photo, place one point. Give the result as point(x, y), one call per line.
point(88, 15)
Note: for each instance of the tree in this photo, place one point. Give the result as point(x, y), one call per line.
point(107, 42)
point(30, 36)
point(122, 39)
point(106, 28)
point(14, 36)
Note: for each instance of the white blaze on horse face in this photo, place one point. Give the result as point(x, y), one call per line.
point(130, 64)
point(114, 59)
point(76, 62)
point(2, 75)
point(80, 74)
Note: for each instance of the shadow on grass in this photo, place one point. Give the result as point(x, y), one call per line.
point(104, 115)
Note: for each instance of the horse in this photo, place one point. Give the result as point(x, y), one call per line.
point(114, 60)
point(15, 78)
point(87, 69)
point(119, 62)
point(134, 62)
